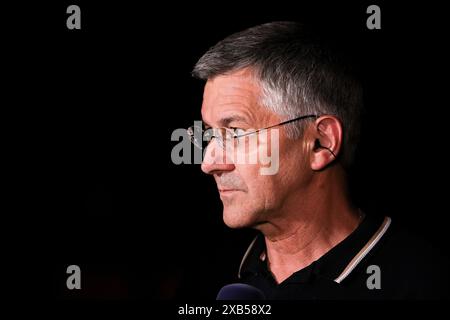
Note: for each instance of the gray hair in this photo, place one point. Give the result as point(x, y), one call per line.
point(297, 73)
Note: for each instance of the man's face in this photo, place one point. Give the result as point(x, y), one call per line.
point(249, 198)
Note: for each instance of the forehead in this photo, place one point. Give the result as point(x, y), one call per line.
point(235, 94)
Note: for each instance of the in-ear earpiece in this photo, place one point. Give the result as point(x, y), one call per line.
point(317, 145)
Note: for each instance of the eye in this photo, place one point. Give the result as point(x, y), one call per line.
point(208, 134)
point(237, 131)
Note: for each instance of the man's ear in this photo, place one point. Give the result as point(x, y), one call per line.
point(326, 143)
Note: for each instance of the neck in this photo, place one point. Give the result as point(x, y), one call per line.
point(296, 238)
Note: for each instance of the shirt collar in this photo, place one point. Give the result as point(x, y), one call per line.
point(333, 264)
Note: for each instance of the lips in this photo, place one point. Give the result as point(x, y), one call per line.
point(228, 190)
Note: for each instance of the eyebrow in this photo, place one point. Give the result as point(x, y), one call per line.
point(224, 122)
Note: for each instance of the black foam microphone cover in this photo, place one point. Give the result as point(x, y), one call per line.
point(240, 291)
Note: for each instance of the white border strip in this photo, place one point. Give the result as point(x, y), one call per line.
point(365, 250)
point(245, 256)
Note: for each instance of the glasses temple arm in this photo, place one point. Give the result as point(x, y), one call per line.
point(278, 124)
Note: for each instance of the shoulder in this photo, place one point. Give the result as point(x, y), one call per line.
point(408, 265)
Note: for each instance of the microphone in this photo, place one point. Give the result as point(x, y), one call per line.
point(240, 291)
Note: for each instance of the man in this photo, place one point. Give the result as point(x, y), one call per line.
point(314, 243)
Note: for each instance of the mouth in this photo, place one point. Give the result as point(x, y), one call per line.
point(228, 190)
point(228, 193)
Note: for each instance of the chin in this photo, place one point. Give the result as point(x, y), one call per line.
point(237, 218)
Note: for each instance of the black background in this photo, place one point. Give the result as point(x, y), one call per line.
point(88, 116)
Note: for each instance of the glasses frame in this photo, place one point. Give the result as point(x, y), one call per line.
point(235, 136)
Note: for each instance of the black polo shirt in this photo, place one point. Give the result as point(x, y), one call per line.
point(376, 261)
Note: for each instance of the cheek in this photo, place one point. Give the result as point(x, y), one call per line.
point(260, 187)
point(293, 156)
point(291, 173)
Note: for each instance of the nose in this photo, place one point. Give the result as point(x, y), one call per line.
point(216, 159)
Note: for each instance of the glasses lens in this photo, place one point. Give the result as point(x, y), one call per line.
point(228, 139)
point(208, 134)
point(217, 133)
point(201, 138)
point(195, 134)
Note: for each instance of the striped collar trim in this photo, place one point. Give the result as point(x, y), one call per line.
point(376, 237)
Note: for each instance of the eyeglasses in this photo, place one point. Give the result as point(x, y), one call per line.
point(226, 136)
